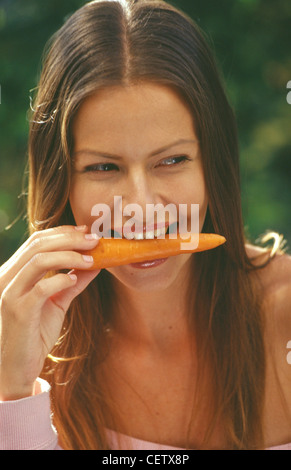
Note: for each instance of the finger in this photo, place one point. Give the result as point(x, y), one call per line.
point(35, 242)
point(71, 240)
point(64, 298)
point(49, 287)
point(41, 264)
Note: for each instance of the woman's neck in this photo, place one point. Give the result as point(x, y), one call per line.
point(152, 319)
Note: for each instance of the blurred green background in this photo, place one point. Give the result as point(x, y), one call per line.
point(251, 39)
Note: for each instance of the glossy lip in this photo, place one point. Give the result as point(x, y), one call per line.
point(149, 264)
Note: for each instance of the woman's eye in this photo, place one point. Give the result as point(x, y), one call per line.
point(100, 167)
point(174, 160)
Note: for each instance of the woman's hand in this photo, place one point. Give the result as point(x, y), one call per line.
point(33, 306)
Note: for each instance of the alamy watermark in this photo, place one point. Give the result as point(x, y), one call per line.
point(288, 357)
point(156, 221)
point(288, 97)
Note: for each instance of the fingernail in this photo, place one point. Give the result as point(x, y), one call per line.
point(88, 258)
point(81, 228)
point(73, 277)
point(91, 236)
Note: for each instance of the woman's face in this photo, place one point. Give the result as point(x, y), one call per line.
point(137, 143)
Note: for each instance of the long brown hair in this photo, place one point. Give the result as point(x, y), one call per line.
point(108, 43)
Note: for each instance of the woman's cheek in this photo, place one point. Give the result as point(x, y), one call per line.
point(80, 204)
point(86, 204)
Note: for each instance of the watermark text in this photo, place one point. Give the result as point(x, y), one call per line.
point(154, 221)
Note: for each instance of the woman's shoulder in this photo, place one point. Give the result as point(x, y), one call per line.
point(275, 279)
point(275, 273)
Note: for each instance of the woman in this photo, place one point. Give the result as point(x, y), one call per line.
point(185, 353)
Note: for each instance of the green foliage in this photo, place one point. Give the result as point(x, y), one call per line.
point(251, 40)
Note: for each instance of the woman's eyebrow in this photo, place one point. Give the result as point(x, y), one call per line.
point(96, 153)
point(173, 144)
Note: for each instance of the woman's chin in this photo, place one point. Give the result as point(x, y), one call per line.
point(152, 275)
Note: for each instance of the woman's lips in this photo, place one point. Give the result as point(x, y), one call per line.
point(149, 264)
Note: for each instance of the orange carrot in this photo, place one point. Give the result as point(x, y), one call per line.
point(118, 251)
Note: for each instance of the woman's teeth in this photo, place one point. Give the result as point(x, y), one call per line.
point(150, 234)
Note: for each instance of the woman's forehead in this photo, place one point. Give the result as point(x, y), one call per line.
point(139, 112)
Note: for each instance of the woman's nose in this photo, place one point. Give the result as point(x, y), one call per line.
point(140, 190)
point(139, 195)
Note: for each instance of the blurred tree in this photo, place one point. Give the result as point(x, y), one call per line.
point(25, 27)
point(251, 39)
